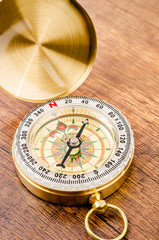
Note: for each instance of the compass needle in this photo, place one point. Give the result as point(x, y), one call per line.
point(73, 143)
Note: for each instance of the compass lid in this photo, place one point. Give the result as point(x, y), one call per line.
point(47, 48)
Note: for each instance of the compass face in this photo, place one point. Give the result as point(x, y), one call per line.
point(73, 144)
point(48, 141)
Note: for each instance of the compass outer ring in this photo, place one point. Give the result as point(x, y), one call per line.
point(74, 197)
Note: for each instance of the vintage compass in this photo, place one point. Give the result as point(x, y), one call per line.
point(73, 150)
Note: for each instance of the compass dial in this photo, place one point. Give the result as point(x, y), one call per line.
point(49, 141)
point(72, 145)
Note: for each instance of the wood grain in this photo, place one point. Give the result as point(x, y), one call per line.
point(126, 75)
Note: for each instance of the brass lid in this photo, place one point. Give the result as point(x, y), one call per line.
point(47, 47)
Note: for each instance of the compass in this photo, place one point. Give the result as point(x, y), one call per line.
point(74, 150)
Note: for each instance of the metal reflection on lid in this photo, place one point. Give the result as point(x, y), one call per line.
point(47, 47)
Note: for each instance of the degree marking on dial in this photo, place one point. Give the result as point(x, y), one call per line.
point(36, 149)
point(42, 139)
point(73, 110)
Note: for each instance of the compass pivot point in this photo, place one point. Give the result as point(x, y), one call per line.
point(74, 142)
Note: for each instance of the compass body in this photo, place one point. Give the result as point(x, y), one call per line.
point(69, 148)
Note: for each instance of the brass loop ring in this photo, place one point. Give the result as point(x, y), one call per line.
point(98, 238)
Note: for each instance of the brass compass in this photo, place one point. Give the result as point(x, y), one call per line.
point(73, 150)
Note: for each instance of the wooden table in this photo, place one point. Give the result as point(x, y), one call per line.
point(126, 75)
